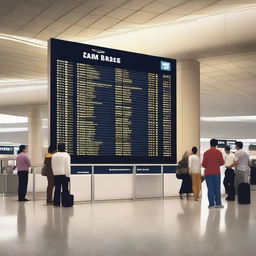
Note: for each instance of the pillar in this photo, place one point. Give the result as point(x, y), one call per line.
point(35, 137)
point(188, 106)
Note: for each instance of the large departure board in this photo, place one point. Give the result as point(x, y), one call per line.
point(112, 106)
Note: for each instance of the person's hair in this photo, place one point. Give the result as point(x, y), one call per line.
point(239, 144)
point(61, 147)
point(227, 148)
point(194, 150)
point(51, 149)
point(186, 154)
point(21, 148)
point(213, 143)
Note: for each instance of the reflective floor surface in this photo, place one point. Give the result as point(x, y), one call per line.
point(167, 227)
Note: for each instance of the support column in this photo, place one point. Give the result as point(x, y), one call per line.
point(188, 106)
point(35, 137)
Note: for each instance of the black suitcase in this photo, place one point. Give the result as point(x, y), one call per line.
point(253, 176)
point(244, 193)
point(67, 199)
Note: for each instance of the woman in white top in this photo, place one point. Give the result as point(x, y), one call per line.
point(195, 172)
point(61, 172)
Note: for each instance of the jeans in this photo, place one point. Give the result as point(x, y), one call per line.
point(60, 182)
point(213, 185)
point(229, 183)
point(23, 184)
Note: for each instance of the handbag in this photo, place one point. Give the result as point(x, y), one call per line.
point(179, 174)
point(44, 171)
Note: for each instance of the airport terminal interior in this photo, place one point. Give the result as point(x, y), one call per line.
point(129, 87)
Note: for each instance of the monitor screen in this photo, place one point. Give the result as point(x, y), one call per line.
point(112, 106)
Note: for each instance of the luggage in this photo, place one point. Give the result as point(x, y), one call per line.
point(253, 176)
point(67, 199)
point(244, 193)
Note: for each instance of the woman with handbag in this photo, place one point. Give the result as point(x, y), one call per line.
point(186, 185)
point(47, 171)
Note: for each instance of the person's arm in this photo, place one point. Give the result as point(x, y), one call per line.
point(26, 158)
point(189, 165)
point(204, 163)
point(235, 163)
point(67, 165)
point(221, 159)
point(249, 161)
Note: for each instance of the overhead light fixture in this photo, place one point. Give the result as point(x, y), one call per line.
point(22, 89)
point(25, 40)
point(237, 139)
point(22, 82)
point(10, 119)
point(229, 119)
point(16, 129)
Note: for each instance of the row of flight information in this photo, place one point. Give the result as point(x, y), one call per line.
point(109, 112)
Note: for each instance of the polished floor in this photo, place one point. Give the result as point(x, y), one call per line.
point(167, 227)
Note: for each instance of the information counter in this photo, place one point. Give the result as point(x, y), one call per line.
point(8, 183)
point(123, 182)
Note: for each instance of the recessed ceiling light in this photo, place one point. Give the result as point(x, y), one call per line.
point(229, 119)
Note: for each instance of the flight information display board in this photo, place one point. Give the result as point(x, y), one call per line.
point(112, 106)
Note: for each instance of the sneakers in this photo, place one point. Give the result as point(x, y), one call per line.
point(219, 206)
point(216, 206)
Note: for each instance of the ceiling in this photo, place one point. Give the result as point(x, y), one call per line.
point(85, 20)
point(80, 20)
point(228, 85)
point(227, 74)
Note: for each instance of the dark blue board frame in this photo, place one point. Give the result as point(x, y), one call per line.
point(73, 52)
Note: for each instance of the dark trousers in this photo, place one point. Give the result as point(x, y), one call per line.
point(50, 186)
point(186, 185)
point(23, 184)
point(61, 185)
point(229, 183)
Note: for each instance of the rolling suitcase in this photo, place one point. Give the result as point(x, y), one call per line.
point(67, 199)
point(244, 193)
point(253, 176)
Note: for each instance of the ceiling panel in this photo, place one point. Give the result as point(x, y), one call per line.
point(140, 17)
point(156, 7)
point(37, 19)
point(228, 89)
point(120, 13)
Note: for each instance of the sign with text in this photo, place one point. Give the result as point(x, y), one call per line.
point(111, 106)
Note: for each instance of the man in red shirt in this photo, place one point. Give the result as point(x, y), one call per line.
point(212, 161)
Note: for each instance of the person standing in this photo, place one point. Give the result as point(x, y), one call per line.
point(241, 164)
point(61, 172)
point(49, 173)
point(186, 185)
point(229, 180)
point(212, 161)
point(195, 172)
point(23, 163)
